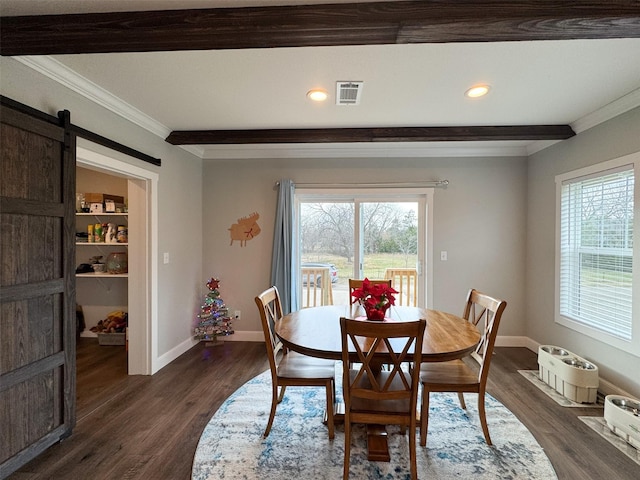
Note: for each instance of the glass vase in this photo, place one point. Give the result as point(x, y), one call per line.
point(375, 314)
point(117, 262)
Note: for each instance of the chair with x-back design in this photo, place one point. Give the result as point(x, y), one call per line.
point(293, 369)
point(376, 396)
point(457, 375)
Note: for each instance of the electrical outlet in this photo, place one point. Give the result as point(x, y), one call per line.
point(166, 257)
point(236, 315)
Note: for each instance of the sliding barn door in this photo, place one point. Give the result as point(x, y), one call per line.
point(37, 289)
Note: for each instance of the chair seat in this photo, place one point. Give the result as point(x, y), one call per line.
point(365, 405)
point(484, 312)
point(447, 374)
point(380, 397)
point(293, 369)
point(296, 365)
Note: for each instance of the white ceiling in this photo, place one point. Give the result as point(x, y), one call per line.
point(577, 82)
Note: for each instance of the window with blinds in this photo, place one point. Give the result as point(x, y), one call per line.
point(596, 250)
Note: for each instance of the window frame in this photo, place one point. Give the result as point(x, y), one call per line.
point(424, 196)
point(601, 169)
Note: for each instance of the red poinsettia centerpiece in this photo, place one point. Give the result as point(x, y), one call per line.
point(375, 298)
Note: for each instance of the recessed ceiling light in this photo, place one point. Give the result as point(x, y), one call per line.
point(477, 91)
point(317, 95)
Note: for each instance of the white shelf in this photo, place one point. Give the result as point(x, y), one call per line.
point(100, 244)
point(102, 275)
point(102, 214)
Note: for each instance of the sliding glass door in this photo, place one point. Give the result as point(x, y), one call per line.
point(362, 233)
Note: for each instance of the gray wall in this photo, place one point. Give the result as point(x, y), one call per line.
point(615, 138)
point(496, 220)
point(479, 219)
point(179, 196)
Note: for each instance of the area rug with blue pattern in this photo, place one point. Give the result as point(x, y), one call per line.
point(298, 447)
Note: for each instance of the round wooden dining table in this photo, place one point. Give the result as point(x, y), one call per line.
point(315, 331)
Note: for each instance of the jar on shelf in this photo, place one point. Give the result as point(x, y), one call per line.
point(122, 236)
point(117, 262)
point(80, 202)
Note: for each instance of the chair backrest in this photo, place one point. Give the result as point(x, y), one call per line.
point(485, 313)
point(270, 308)
point(316, 286)
point(357, 283)
point(392, 340)
point(405, 281)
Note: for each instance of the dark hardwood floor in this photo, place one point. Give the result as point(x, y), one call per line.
point(138, 427)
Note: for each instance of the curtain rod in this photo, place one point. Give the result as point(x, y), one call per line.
point(427, 184)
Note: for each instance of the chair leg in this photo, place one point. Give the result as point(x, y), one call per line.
point(274, 404)
point(412, 451)
point(461, 398)
point(424, 416)
point(330, 388)
point(347, 447)
point(281, 396)
point(483, 418)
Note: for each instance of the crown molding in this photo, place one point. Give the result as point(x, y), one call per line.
point(609, 111)
point(55, 70)
point(196, 150)
point(367, 150)
point(622, 105)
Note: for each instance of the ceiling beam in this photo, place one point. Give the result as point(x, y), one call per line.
point(375, 23)
point(350, 135)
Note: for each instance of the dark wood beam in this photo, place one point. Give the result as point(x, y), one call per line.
point(375, 23)
point(350, 135)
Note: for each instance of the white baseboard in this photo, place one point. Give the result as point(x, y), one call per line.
point(606, 388)
point(244, 336)
point(171, 355)
point(502, 341)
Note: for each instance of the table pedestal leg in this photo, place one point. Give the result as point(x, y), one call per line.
point(377, 445)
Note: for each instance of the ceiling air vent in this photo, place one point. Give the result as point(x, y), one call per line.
point(348, 93)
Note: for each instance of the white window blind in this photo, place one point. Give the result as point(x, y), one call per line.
point(596, 251)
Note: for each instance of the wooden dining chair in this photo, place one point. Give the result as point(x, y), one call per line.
point(292, 369)
point(376, 396)
point(457, 375)
point(405, 281)
point(357, 283)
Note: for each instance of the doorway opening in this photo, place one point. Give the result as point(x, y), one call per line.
point(141, 284)
point(359, 233)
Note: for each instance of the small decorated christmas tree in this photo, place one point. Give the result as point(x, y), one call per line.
point(213, 319)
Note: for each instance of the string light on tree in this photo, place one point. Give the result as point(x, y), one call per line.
point(213, 319)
